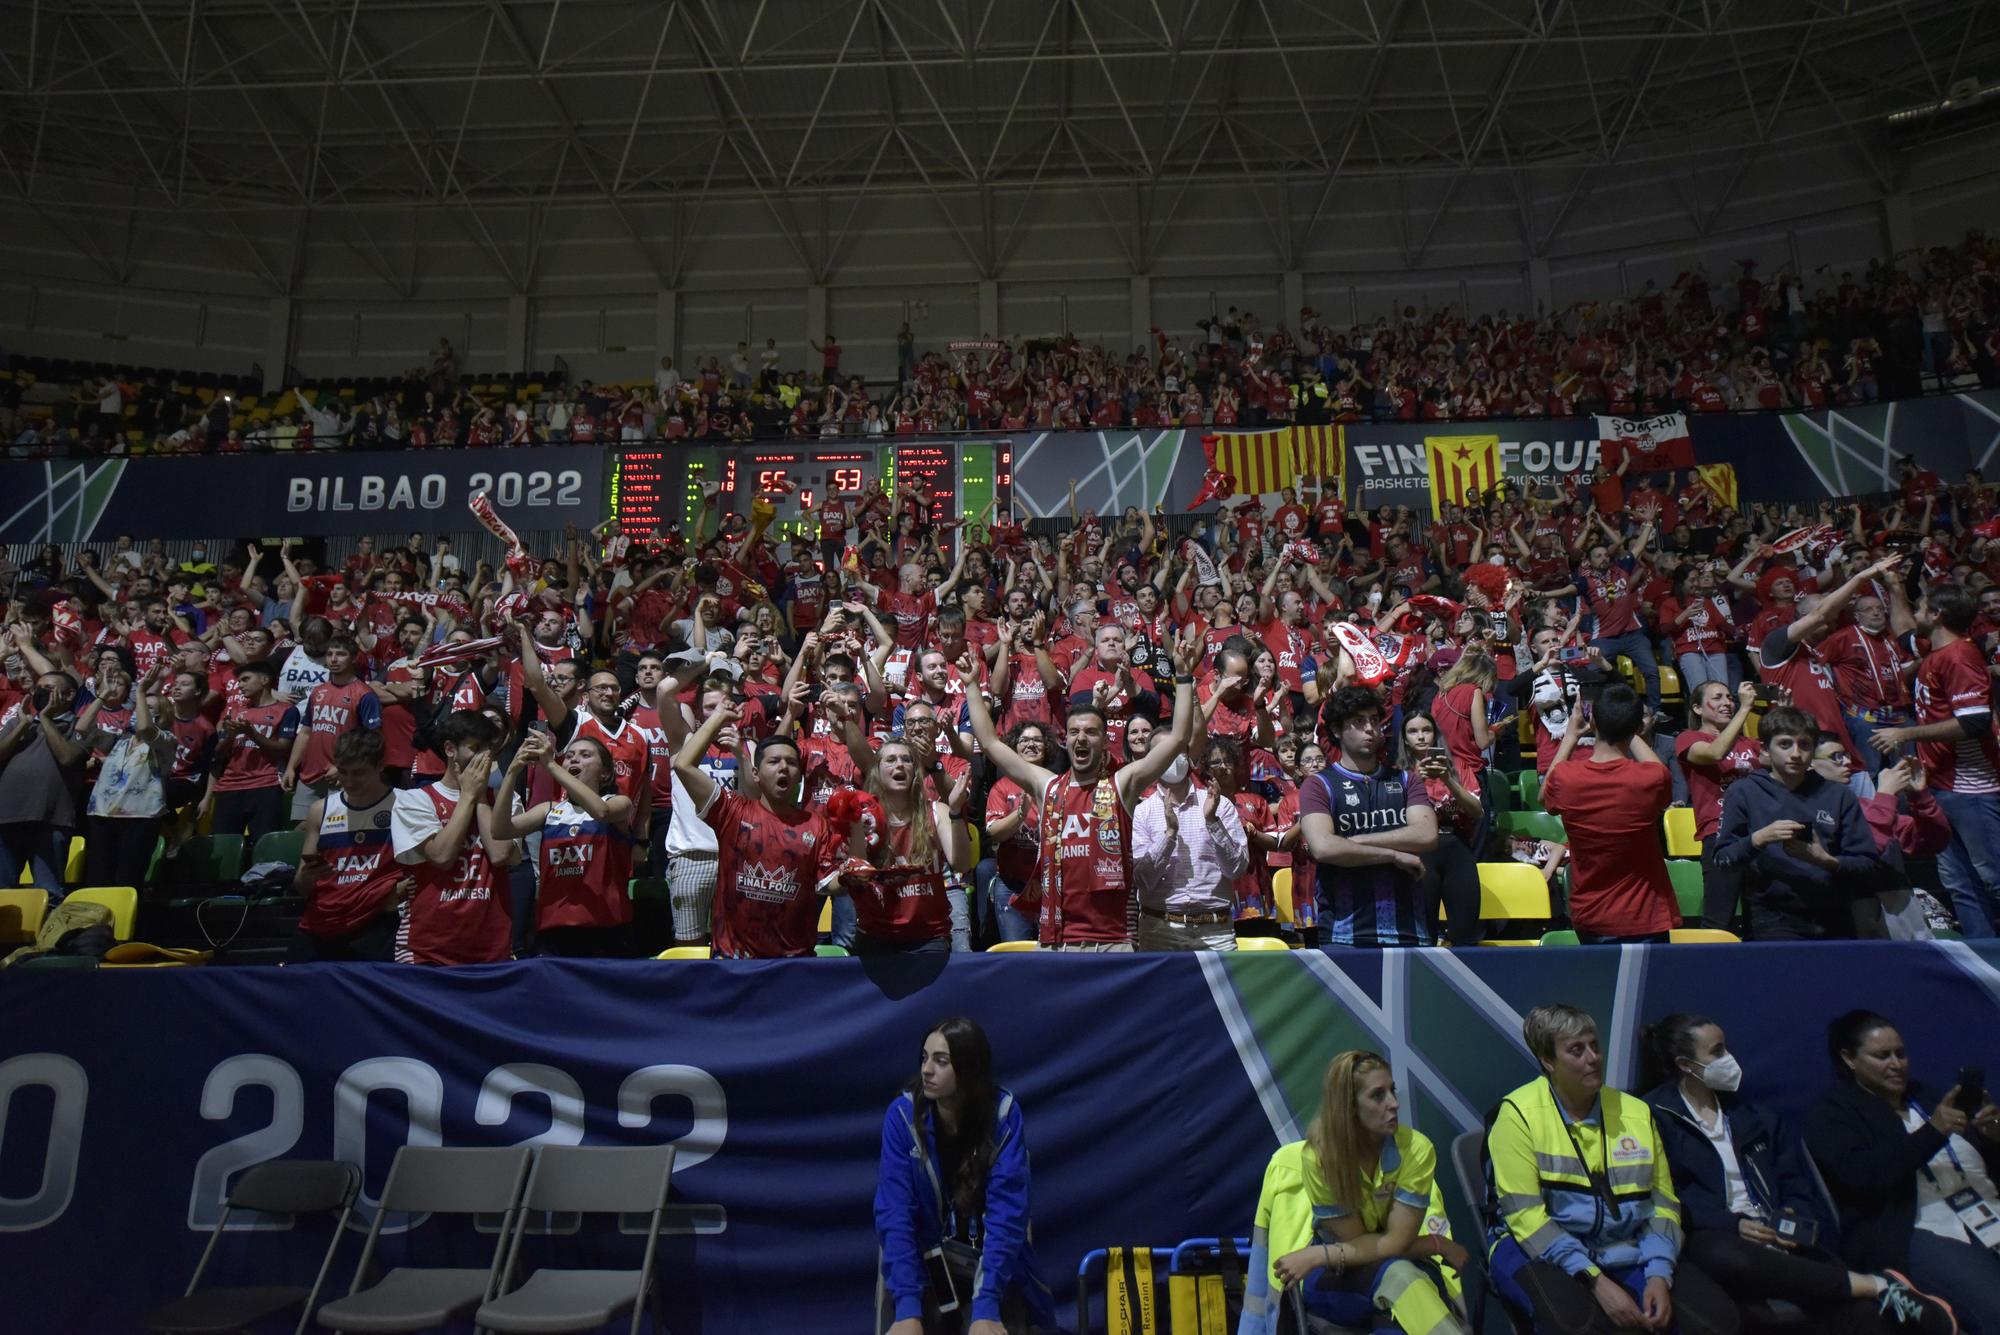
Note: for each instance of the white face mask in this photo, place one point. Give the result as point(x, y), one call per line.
point(1722, 1074)
point(1177, 770)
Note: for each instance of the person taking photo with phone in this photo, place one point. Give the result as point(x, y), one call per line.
point(1751, 1215)
point(1915, 1188)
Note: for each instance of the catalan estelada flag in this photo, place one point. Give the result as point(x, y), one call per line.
point(1260, 462)
point(1321, 451)
point(1720, 480)
point(1463, 469)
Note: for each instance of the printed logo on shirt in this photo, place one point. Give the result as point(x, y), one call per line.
point(381, 820)
point(1629, 1149)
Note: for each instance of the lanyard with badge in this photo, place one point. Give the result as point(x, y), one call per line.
point(1974, 1211)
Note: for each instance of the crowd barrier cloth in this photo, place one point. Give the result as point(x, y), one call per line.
point(1154, 1088)
point(1778, 457)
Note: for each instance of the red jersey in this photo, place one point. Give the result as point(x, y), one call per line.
point(460, 914)
point(1122, 705)
point(194, 746)
point(1706, 629)
point(1708, 784)
point(904, 903)
point(631, 752)
point(1252, 890)
point(1016, 855)
point(586, 867)
point(328, 712)
point(247, 767)
point(912, 612)
point(399, 720)
point(767, 874)
point(1952, 683)
point(1086, 882)
point(1813, 689)
point(1868, 668)
point(361, 868)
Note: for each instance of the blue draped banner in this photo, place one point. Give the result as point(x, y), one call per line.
point(1154, 1089)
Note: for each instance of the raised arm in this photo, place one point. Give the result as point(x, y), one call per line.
point(1032, 778)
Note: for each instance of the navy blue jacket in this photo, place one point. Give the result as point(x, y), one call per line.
point(911, 1205)
point(1772, 1157)
point(1795, 898)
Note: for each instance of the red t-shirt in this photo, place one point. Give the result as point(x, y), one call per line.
point(1086, 862)
point(1813, 689)
point(327, 713)
point(1015, 854)
point(1708, 783)
point(912, 612)
point(1618, 878)
point(1952, 683)
point(460, 914)
point(767, 875)
point(361, 870)
point(1868, 668)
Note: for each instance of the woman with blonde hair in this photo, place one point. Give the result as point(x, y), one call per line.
point(1352, 1214)
point(902, 905)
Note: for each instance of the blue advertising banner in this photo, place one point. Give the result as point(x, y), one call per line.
point(1387, 464)
point(305, 494)
point(1154, 1088)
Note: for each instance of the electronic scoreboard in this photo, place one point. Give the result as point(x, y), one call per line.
point(655, 488)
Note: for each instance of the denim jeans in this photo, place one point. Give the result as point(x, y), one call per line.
point(997, 919)
point(1697, 670)
point(42, 848)
point(1970, 863)
point(1635, 646)
point(1862, 731)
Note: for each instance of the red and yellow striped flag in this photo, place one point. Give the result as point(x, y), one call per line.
point(1720, 479)
point(1463, 469)
point(1260, 462)
point(1321, 452)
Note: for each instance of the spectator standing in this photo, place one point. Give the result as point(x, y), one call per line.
point(583, 905)
point(1014, 840)
point(774, 854)
point(347, 863)
point(461, 912)
point(253, 741)
point(41, 781)
point(1801, 843)
point(1955, 745)
point(1789, 655)
point(1188, 847)
point(1368, 829)
point(1914, 1189)
point(1086, 884)
point(1592, 1242)
point(128, 797)
point(1454, 863)
point(1714, 754)
point(1872, 669)
point(1611, 803)
point(340, 704)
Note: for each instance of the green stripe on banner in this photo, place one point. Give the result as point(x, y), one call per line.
point(97, 493)
point(1297, 1024)
point(1161, 457)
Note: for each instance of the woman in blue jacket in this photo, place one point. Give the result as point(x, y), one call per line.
point(951, 1200)
point(1740, 1175)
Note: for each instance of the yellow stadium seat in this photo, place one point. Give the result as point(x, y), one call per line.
point(972, 833)
point(826, 917)
point(1010, 947)
point(21, 914)
point(1750, 725)
point(73, 865)
point(122, 900)
point(1695, 936)
point(145, 955)
point(1281, 896)
point(1670, 685)
point(684, 953)
point(1629, 671)
point(1512, 890)
point(1261, 943)
point(1681, 842)
point(1525, 730)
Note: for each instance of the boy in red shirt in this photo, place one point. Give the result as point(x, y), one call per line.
point(1611, 804)
point(460, 913)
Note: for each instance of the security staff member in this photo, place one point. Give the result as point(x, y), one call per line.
point(1589, 1234)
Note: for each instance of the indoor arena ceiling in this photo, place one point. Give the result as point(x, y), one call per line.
point(366, 104)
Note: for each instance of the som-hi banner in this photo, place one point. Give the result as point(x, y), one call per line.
point(1147, 1126)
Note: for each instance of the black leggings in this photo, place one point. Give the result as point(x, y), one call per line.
point(1721, 889)
point(117, 849)
point(252, 813)
point(1454, 874)
point(1748, 1271)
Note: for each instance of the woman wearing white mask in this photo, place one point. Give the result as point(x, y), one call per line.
point(1755, 1221)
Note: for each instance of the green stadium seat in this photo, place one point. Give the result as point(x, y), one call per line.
point(278, 846)
point(1687, 880)
point(1534, 825)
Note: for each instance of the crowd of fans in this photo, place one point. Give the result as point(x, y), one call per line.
point(1293, 721)
point(1751, 341)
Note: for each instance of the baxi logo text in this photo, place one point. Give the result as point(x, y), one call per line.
point(432, 491)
